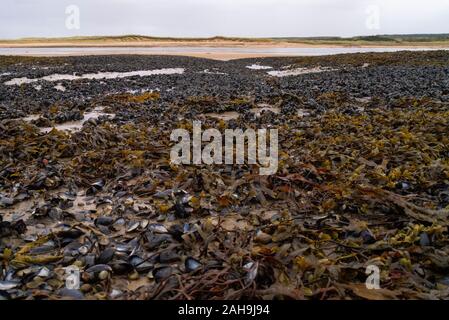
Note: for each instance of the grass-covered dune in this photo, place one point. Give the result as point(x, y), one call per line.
point(140, 40)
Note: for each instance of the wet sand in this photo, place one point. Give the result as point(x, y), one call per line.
point(216, 50)
point(209, 43)
point(222, 56)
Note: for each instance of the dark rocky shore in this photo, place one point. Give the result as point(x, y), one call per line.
point(363, 178)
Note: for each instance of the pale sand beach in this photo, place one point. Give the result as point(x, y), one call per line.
point(255, 43)
point(79, 51)
point(216, 50)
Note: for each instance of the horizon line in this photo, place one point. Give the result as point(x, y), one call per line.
point(323, 37)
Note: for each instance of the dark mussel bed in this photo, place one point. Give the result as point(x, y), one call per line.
point(363, 179)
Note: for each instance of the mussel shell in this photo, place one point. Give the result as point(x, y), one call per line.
point(121, 266)
point(71, 293)
point(162, 273)
point(123, 247)
point(133, 226)
point(166, 194)
point(98, 184)
point(368, 237)
point(83, 250)
point(155, 240)
point(177, 231)
point(95, 187)
point(135, 260)
point(192, 265)
point(180, 210)
point(424, 239)
point(104, 221)
point(44, 272)
point(8, 285)
point(168, 256)
point(157, 228)
point(45, 248)
point(6, 202)
point(67, 196)
point(89, 260)
point(70, 234)
point(106, 255)
point(96, 269)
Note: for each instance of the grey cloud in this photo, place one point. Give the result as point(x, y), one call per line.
point(194, 18)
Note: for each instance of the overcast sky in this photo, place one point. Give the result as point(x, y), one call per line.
point(252, 18)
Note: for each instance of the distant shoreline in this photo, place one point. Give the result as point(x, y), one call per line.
point(245, 47)
point(405, 41)
point(230, 44)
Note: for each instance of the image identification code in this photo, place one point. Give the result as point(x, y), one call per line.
point(248, 310)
